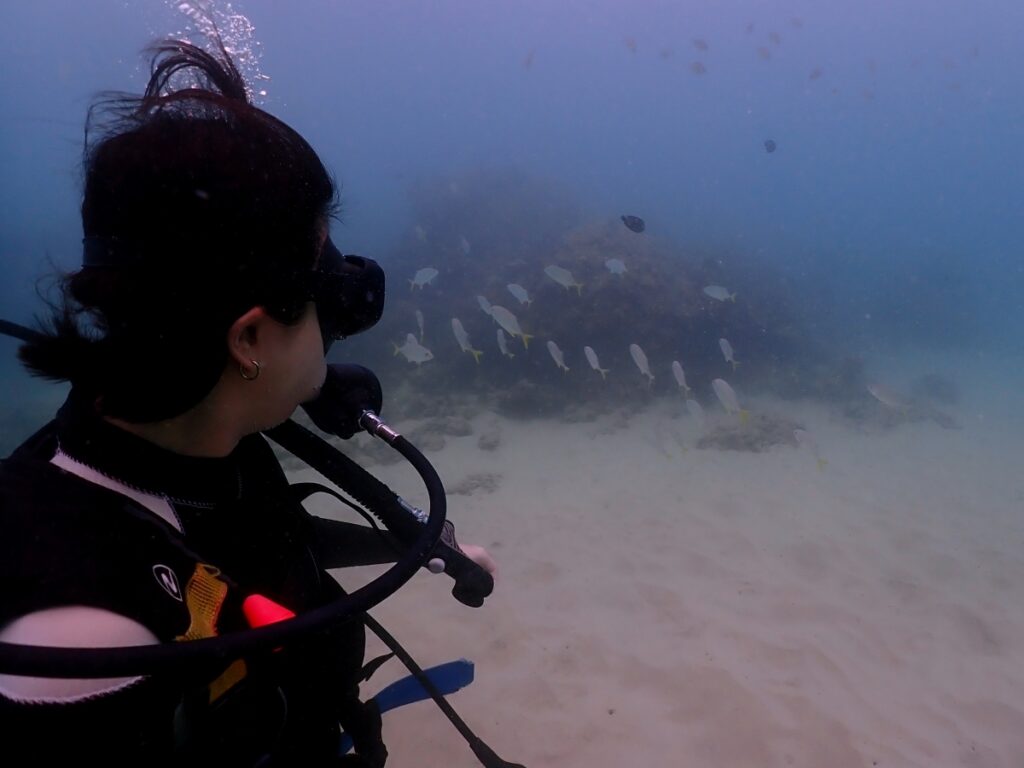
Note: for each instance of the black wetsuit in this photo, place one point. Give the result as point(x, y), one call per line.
point(65, 540)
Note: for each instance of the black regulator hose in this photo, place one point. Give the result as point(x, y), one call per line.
point(404, 522)
point(472, 582)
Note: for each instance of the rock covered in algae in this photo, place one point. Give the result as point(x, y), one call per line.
point(759, 433)
point(480, 482)
point(485, 230)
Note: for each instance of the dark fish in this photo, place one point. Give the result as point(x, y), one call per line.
point(815, 73)
point(764, 53)
point(698, 68)
point(774, 37)
point(634, 223)
point(700, 44)
point(769, 146)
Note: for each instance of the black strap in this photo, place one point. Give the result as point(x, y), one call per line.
point(374, 664)
point(370, 492)
point(18, 331)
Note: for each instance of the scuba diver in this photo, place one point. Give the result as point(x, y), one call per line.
point(164, 595)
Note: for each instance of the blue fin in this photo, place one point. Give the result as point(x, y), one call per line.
point(448, 677)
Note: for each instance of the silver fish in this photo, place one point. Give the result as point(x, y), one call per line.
point(677, 371)
point(727, 397)
point(413, 351)
point(727, 352)
point(464, 244)
point(519, 292)
point(641, 362)
point(463, 338)
point(557, 356)
point(419, 322)
point(887, 397)
point(485, 305)
point(563, 277)
point(591, 356)
point(509, 322)
point(719, 293)
point(615, 266)
point(421, 233)
point(423, 277)
point(910, 407)
point(502, 344)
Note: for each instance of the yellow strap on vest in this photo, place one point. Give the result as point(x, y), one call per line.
point(204, 597)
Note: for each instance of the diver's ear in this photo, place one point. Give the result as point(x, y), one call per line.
point(245, 334)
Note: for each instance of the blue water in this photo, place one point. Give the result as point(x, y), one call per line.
point(898, 160)
point(892, 202)
point(892, 196)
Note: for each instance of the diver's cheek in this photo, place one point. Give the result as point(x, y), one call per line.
point(314, 361)
point(320, 377)
point(318, 357)
point(314, 368)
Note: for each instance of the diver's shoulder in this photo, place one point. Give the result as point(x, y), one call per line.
point(41, 445)
point(28, 477)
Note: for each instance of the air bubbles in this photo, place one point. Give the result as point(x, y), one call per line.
point(222, 25)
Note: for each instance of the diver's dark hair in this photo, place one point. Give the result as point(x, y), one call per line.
point(216, 205)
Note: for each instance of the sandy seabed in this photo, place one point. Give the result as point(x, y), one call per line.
point(660, 605)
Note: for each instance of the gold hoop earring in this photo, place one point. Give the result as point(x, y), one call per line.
point(255, 376)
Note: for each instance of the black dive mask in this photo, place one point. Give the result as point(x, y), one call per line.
point(348, 290)
point(349, 293)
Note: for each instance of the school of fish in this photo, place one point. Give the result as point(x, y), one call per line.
point(509, 326)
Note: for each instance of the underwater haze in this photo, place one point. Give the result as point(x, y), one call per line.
point(725, 297)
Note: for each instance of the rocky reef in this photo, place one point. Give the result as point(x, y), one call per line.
point(485, 230)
